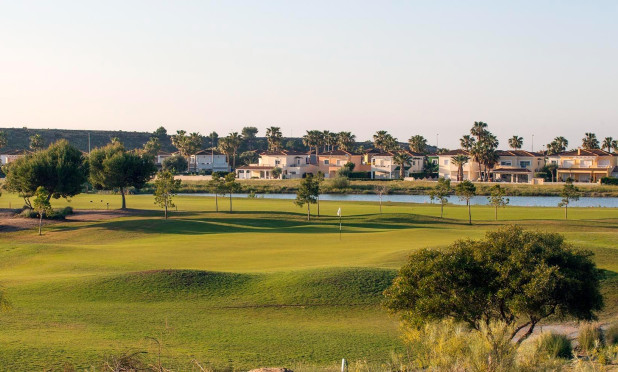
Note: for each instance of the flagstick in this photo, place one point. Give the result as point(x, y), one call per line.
point(340, 226)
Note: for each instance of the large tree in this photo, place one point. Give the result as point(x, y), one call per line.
point(313, 139)
point(187, 144)
point(418, 144)
point(558, 145)
point(234, 141)
point(37, 142)
point(113, 167)
point(249, 135)
point(402, 159)
point(345, 140)
point(61, 170)
point(274, 138)
point(608, 143)
point(460, 161)
point(467, 142)
point(514, 276)
point(516, 142)
point(590, 141)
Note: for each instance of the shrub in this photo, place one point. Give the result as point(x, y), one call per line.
point(590, 337)
point(56, 214)
point(340, 183)
point(611, 334)
point(555, 345)
point(359, 175)
point(609, 181)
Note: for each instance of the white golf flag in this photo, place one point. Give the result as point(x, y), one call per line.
point(339, 212)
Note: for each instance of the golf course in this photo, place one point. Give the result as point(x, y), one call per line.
point(258, 287)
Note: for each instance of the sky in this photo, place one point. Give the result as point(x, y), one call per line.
point(542, 68)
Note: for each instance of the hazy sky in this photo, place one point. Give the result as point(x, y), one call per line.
point(410, 67)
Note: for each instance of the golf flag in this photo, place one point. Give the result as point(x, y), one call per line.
point(339, 212)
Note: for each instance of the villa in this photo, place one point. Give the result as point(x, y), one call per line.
point(10, 156)
point(517, 166)
point(383, 165)
point(209, 160)
point(332, 161)
point(449, 170)
point(583, 165)
point(293, 164)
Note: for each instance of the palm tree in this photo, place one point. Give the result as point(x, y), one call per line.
point(274, 137)
point(479, 129)
point(402, 159)
point(590, 141)
point(460, 161)
point(418, 144)
point(329, 140)
point(313, 139)
point(380, 139)
point(516, 142)
point(558, 145)
point(235, 140)
point(467, 142)
point(608, 143)
point(615, 145)
point(345, 140)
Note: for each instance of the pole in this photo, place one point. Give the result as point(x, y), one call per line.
point(532, 143)
point(340, 226)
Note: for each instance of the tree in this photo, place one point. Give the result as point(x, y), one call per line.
point(213, 139)
point(274, 137)
point(187, 145)
point(175, 164)
point(418, 144)
point(112, 167)
point(276, 172)
point(160, 133)
point(217, 187)
point(41, 204)
point(516, 142)
point(479, 130)
point(233, 141)
point(3, 140)
point(36, 142)
point(608, 143)
point(382, 140)
point(319, 179)
point(231, 186)
point(330, 140)
point(466, 191)
point(460, 161)
point(166, 188)
point(558, 145)
point(61, 170)
point(381, 190)
point(249, 157)
point(467, 142)
point(152, 147)
point(307, 193)
point(345, 140)
point(514, 276)
point(590, 141)
point(402, 159)
point(313, 139)
point(346, 169)
point(249, 135)
point(497, 198)
point(441, 192)
point(568, 193)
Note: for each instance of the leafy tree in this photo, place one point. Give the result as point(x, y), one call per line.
point(61, 170)
point(307, 193)
point(346, 169)
point(160, 133)
point(516, 142)
point(231, 186)
point(233, 142)
point(313, 139)
point(558, 145)
point(276, 172)
point(112, 167)
point(497, 198)
point(249, 134)
point(3, 140)
point(345, 140)
point(330, 140)
point(590, 141)
point(608, 143)
point(37, 142)
point(460, 161)
point(466, 191)
point(152, 147)
point(568, 193)
point(274, 137)
point(381, 190)
point(514, 276)
point(41, 204)
point(187, 144)
point(441, 192)
point(382, 140)
point(175, 164)
point(213, 139)
point(217, 187)
point(249, 157)
point(402, 159)
point(418, 144)
point(479, 130)
point(166, 188)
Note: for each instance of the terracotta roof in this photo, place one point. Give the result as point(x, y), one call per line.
point(337, 153)
point(257, 167)
point(284, 153)
point(209, 152)
point(511, 170)
point(519, 153)
point(392, 153)
point(455, 152)
point(163, 153)
point(584, 152)
point(578, 169)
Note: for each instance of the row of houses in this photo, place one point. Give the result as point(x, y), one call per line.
point(517, 166)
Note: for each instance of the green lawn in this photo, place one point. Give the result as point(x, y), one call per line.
point(258, 287)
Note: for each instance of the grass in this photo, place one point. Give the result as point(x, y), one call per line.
point(258, 287)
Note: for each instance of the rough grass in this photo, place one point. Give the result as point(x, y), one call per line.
point(257, 287)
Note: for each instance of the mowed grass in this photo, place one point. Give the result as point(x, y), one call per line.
point(257, 287)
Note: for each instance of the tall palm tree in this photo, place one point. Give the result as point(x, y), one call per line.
point(380, 139)
point(479, 129)
point(467, 142)
point(615, 145)
point(313, 139)
point(418, 144)
point(460, 161)
point(476, 152)
point(274, 137)
point(226, 147)
point(558, 145)
point(345, 140)
point(608, 143)
point(402, 159)
point(516, 142)
point(329, 140)
point(590, 141)
point(235, 140)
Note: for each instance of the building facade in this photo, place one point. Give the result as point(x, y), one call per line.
point(583, 165)
point(292, 164)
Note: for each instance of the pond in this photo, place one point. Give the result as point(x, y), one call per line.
point(520, 201)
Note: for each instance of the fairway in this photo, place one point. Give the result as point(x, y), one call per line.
point(257, 287)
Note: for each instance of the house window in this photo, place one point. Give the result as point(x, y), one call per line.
point(445, 161)
point(325, 161)
point(277, 162)
point(506, 163)
point(434, 161)
point(524, 163)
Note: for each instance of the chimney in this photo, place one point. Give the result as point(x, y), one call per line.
point(579, 151)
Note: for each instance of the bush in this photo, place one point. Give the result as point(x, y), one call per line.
point(611, 334)
point(359, 175)
point(555, 345)
point(56, 214)
point(590, 337)
point(340, 183)
point(609, 181)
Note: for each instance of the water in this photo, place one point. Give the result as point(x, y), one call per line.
point(519, 201)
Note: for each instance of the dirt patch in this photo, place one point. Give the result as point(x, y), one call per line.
point(11, 220)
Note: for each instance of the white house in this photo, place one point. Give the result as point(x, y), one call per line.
point(293, 164)
point(9, 156)
point(209, 160)
point(449, 170)
point(161, 156)
point(383, 165)
point(517, 166)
